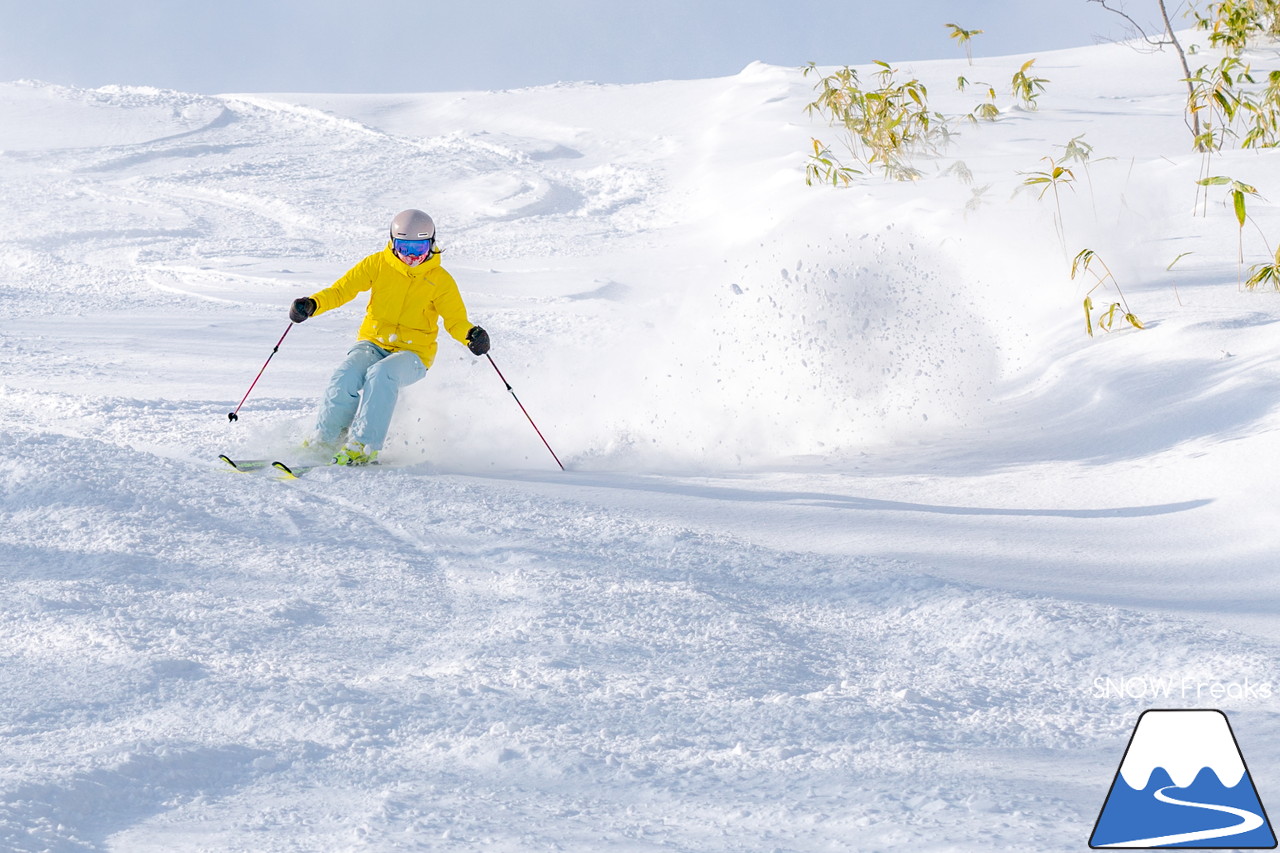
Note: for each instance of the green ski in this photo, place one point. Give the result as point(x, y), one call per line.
point(245, 465)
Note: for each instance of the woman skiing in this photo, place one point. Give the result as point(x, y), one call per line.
point(410, 293)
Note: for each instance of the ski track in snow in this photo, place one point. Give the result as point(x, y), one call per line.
point(853, 521)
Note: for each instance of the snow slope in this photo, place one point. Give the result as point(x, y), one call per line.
point(860, 531)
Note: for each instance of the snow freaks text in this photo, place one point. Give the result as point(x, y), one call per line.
point(1180, 687)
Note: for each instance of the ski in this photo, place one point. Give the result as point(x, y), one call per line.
point(244, 465)
point(293, 472)
point(289, 472)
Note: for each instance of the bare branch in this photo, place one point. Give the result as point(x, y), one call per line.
point(1159, 43)
point(1151, 40)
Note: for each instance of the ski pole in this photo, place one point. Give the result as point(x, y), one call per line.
point(235, 416)
point(526, 412)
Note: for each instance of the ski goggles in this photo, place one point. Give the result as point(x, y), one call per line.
point(413, 248)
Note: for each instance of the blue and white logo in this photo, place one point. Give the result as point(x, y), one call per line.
point(1183, 783)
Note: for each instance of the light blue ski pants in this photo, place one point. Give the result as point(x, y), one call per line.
point(362, 394)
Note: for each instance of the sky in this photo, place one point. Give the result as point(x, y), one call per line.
point(369, 46)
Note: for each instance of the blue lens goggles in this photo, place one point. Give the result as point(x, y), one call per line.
point(413, 247)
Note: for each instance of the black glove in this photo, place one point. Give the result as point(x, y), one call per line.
point(301, 309)
point(478, 340)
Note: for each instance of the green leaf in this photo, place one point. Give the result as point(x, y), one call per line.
point(1082, 263)
point(1262, 274)
point(1108, 317)
point(1237, 198)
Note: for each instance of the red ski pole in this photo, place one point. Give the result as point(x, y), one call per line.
point(526, 413)
point(235, 416)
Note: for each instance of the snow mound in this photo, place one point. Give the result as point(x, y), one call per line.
point(42, 116)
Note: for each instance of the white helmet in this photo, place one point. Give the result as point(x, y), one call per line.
point(412, 225)
point(413, 237)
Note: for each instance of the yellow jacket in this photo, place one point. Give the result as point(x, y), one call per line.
point(405, 303)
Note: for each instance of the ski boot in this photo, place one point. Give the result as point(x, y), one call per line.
point(355, 453)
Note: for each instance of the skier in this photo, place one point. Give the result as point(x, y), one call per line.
point(410, 293)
